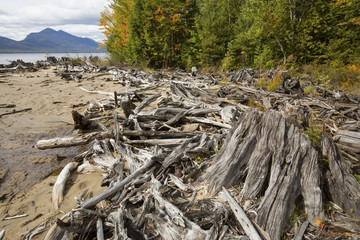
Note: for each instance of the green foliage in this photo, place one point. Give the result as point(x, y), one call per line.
point(309, 90)
point(198, 160)
point(314, 135)
point(76, 61)
point(357, 176)
point(233, 33)
point(314, 132)
point(215, 28)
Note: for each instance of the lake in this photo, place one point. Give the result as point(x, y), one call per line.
point(6, 58)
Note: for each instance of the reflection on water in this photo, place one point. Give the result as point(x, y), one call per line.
point(6, 58)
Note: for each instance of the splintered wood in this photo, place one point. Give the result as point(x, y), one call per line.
point(169, 151)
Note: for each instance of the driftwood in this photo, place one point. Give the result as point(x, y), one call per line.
point(15, 111)
point(15, 217)
point(241, 217)
point(343, 187)
point(72, 75)
point(33, 232)
point(7, 105)
point(263, 148)
point(71, 141)
point(99, 229)
point(100, 155)
point(348, 138)
point(2, 234)
point(302, 230)
point(157, 134)
point(59, 186)
point(81, 122)
point(157, 160)
point(107, 193)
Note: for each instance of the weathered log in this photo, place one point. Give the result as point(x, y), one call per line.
point(71, 141)
point(160, 142)
point(59, 186)
point(177, 117)
point(273, 158)
point(146, 102)
point(343, 187)
point(157, 134)
point(118, 186)
point(349, 138)
point(209, 122)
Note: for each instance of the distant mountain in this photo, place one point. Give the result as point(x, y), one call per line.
point(49, 40)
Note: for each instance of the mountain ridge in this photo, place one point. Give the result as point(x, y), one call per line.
point(49, 40)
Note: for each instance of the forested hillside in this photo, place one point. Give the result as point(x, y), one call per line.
point(232, 33)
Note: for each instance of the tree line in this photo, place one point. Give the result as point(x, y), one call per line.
point(232, 33)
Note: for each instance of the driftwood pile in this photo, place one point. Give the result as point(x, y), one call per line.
point(18, 65)
point(185, 160)
point(65, 68)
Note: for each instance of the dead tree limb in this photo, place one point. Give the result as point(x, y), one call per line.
point(71, 141)
point(241, 217)
point(15, 111)
point(118, 186)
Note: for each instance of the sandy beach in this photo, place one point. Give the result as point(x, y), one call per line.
point(26, 173)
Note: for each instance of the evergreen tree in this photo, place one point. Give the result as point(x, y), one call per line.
point(236, 33)
point(215, 28)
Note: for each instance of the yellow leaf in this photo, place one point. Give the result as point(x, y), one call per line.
point(317, 221)
point(348, 234)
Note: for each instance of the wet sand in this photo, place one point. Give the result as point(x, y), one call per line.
point(26, 173)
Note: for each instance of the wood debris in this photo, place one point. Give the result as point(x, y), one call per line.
point(169, 143)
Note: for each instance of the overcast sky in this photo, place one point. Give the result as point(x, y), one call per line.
point(18, 18)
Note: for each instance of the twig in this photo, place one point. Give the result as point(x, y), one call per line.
point(15, 217)
point(18, 111)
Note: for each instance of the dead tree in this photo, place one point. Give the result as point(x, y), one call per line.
point(276, 162)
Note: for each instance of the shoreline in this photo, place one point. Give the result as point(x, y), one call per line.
point(28, 173)
point(36, 56)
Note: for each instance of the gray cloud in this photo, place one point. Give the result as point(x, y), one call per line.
point(79, 17)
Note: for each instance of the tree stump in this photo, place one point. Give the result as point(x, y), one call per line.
point(277, 163)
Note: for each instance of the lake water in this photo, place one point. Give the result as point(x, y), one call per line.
point(6, 58)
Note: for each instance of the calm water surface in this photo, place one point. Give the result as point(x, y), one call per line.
point(6, 58)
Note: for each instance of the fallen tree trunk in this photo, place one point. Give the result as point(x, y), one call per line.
point(157, 134)
point(71, 141)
